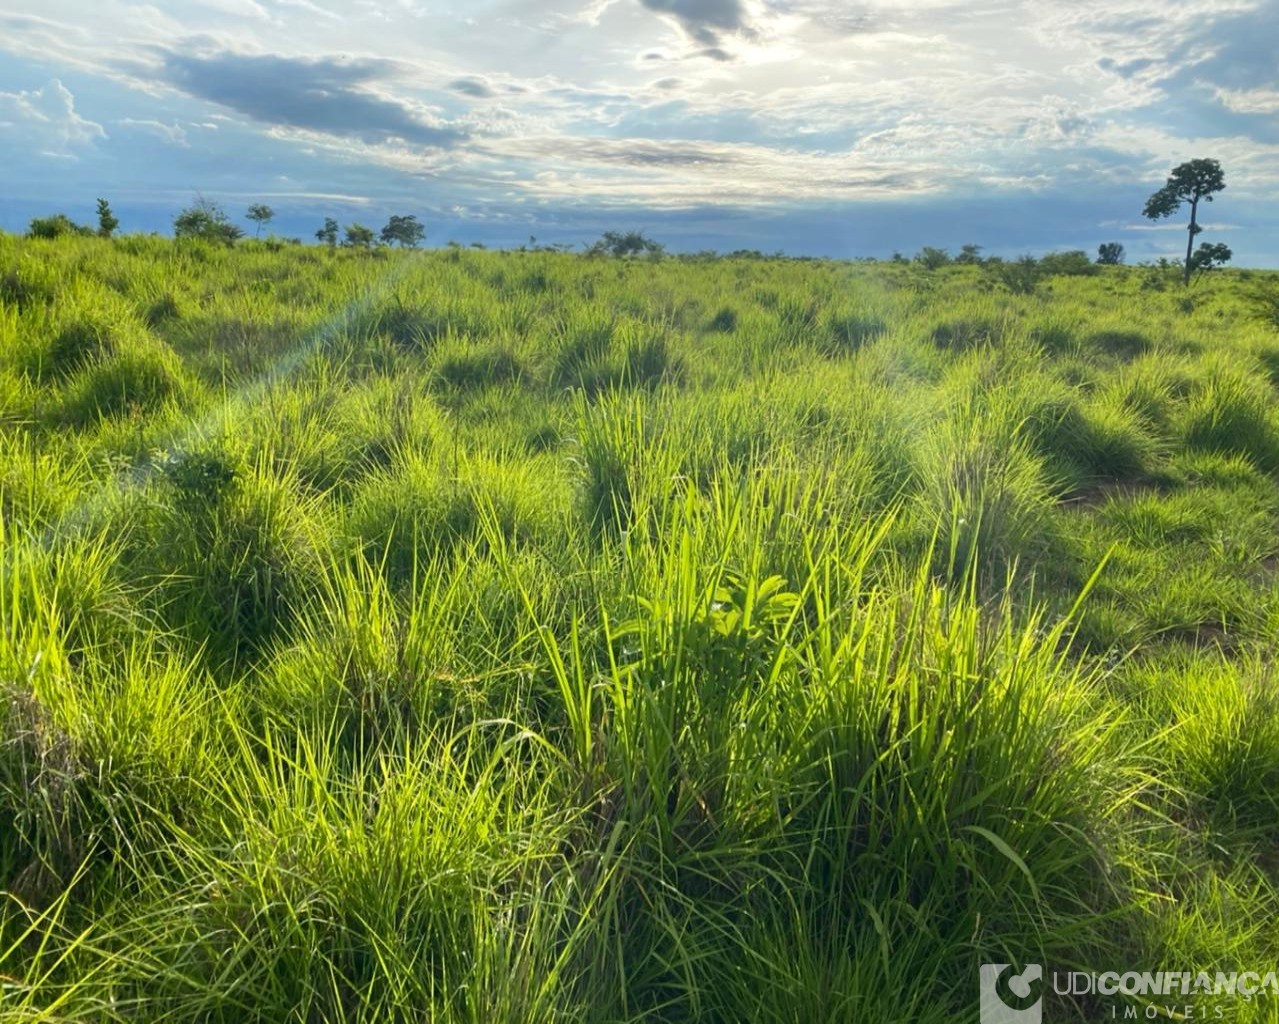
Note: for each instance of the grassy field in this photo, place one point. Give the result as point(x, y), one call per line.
point(469, 636)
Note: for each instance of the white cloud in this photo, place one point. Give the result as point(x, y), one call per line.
point(1250, 101)
point(45, 119)
point(1128, 226)
point(172, 133)
point(1252, 167)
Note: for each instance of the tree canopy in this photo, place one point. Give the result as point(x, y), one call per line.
point(329, 233)
point(1188, 183)
point(403, 231)
point(625, 244)
point(260, 214)
point(1110, 254)
point(359, 237)
point(205, 219)
point(107, 221)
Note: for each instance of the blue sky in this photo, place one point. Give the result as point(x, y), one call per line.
point(814, 126)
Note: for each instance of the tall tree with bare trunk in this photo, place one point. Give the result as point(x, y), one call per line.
point(1193, 182)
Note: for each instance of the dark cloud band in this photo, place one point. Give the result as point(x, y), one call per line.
point(325, 94)
point(704, 20)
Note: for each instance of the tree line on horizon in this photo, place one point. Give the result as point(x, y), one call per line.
point(1189, 184)
point(208, 221)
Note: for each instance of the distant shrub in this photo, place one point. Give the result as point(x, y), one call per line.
point(56, 226)
point(1073, 263)
point(1110, 254)
point(931, 258)
point(404, 231)
point(358, 236)
point(1209, 256)
point(1159, 275)
point(107, 220)
point(328, 234)
point(1020, 276)
point(207, 221)
point(1265, 305)
point(626, 245)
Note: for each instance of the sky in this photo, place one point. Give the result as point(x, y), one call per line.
point(817, 127)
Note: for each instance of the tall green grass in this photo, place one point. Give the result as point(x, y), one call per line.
point(518, 637)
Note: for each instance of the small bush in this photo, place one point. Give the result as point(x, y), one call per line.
point(56, 226)
point(932, 258)
point(1122, 344)
point(581, 350)
point(1020, 276)
point(470, 369)
point(83, 341)
point(850, 327)
point(137, 380)
point(421, 508)
point(1235, 414)
point(162, 310)
point(1108, 442)
point(967, 332)
point(1265, 305)
point(206, 221)
point(724, 321)
point(648, 362)
point(987, 494)
point(236, 562)
point(1074, 263)
point(29, 284)
point(1110, 254)
point(1223, 749)
point(412, 326)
